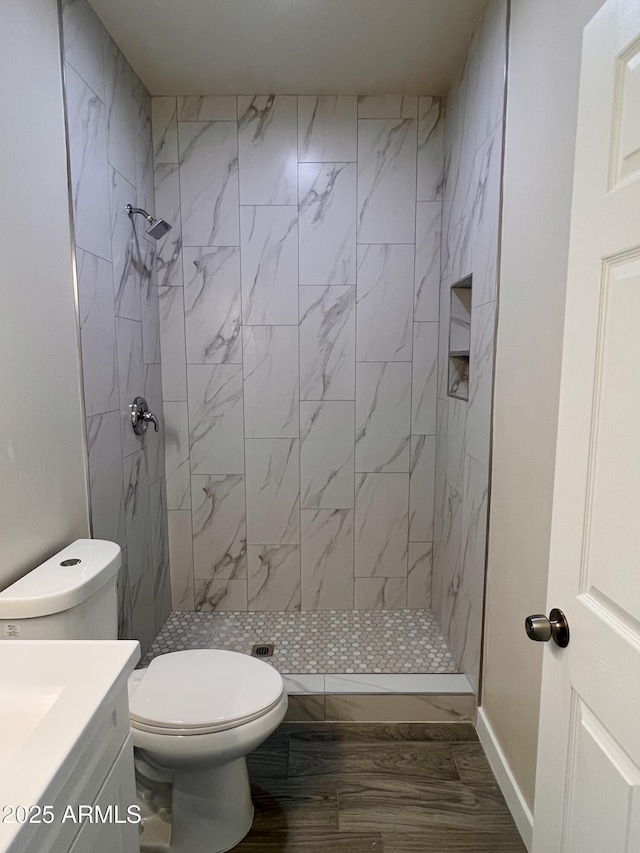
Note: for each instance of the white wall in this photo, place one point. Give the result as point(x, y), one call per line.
point(544, 57)
point(43, 494)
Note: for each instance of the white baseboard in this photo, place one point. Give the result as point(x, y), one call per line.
point(508, 785)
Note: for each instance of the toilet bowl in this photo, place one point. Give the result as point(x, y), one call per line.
point(195, 715)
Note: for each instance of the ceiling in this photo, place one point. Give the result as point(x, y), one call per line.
point(222, 47)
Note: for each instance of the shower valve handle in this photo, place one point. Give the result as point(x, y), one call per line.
point(141, 417)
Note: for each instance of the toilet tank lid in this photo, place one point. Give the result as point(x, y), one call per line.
point(63, 581)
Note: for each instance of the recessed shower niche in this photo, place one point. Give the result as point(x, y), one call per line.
point(459, 339)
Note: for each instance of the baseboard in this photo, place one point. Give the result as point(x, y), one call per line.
point(508, 785)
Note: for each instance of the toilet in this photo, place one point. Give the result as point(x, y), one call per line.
point(195, 715)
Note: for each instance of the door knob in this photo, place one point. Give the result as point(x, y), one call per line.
point(555, 628)
point(141, 417)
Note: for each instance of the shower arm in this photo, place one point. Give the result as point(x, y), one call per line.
point(131, 210)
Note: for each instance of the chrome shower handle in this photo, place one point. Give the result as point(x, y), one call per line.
point(141, 416)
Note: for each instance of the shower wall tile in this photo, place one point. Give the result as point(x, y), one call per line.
point(419, 576)
point(381, 525)
point(165, 130)
point(380, 594)
point(269, 250)
point(150, 305)
point(274, 577)
point(126, 248)
point(137, 516)
point(216, 423)
point(425, 378)
point(383, 416)
point(327, 343)
point(181, 559)
point(387, 151)
point(477, 438)
point(86, 115)
point(97, 333)
point(153, 444)
point(221, 595)
point(421, 488)
point(208, 108)
point(212, 305)
point(167, 197)
point(172, 343)
point(142, 610)
point(327, 559)
point(83, 34)
point(219, 527)
point(271, 381)
point(121, 111)
point(387, 106)
point(176, 432)
point(456, 429)
point(268, 149)
point(430, 148)
point(105, 477)
point(385, 302)
point(327, 226)
point(159, 542)
point(327, 454)
point(427, 267)
point(130, 378)
point(144, 167)
point(327, 129)
point(209, 183)
point(273, 491)
point(474, 520)
point(485, 215)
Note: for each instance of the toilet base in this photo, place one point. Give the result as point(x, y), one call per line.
point(212, 809)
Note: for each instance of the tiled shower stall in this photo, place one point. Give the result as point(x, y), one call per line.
point(314, 460)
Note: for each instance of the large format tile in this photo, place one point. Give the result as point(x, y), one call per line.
point(478, 424)
point(165, 130)
point(83, 35)
point(327, 227)
point(327, 343)
point(149, 304)
point(326, 454)
point(274, 577)
point(271, 381)
point(167, 204)
point(327, 129)
point(421, 488)
point(385, 302)
point(176, 440)
point(219, 527)
point(172, 343)
point(154, 440)
point(159, 542)
point(97, 333)
point(419, 576)
point(387, 180)
point(383, 416)
point(209, 183)
point(121, 111)
point(131, 379)
point(474, 515)
point(137, 516)
point(387, 106)
point(126, 250)
point(273, 491)
point(427, 269)
point(181, 559)
point(143, 151)
point(430, 148)
point(380, 594)
point(399, 708)
point(425, 378)
point(212, 308)
point(327, 559)
point(381, 525)
point(486, 221)
point(216, 424)
point(88, 158)
point(268, 149)
point(269, 247)
point(223, 595)
point(105, 477)
point(207, 108)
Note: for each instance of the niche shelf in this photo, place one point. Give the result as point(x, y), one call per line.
point(459, 339)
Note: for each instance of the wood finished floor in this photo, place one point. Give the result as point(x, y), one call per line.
point(401, 788)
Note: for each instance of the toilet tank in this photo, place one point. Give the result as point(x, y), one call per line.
point(72, 596)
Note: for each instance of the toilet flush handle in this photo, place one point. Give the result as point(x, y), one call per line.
point(141, 417)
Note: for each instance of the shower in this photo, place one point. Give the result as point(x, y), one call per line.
point(158, 227)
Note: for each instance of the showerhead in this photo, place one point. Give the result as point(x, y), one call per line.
point(158, 227)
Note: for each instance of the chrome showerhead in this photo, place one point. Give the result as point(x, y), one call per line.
point(158, 227)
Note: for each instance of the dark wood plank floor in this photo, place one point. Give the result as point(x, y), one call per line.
point(401, 788)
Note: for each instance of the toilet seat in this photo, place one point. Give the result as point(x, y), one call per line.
point(202, 691)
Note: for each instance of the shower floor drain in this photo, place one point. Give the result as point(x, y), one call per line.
point(262, 650)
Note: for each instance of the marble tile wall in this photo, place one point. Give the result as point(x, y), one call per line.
point(470, 229)
point(298, 300)
point(110, 147)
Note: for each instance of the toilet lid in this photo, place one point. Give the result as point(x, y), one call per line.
point(205, 690)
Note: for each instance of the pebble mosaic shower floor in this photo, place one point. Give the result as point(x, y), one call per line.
point(330, 641)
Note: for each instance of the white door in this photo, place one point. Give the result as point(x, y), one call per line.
point(588, 782)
